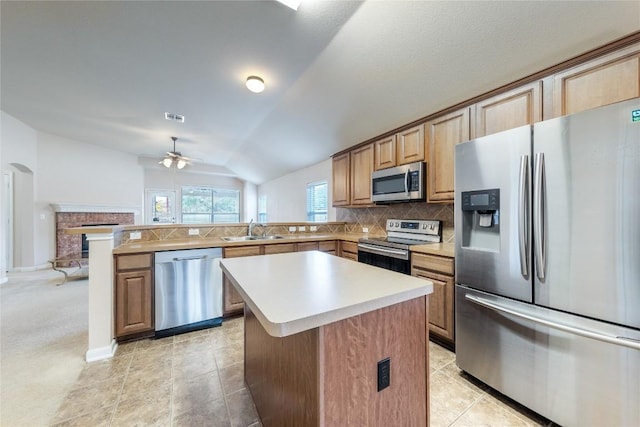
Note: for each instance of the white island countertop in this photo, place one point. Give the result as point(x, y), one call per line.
point(298, 291)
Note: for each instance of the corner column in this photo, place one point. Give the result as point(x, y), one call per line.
point(102, 344)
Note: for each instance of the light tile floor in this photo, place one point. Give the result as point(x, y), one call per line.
point(196, 379)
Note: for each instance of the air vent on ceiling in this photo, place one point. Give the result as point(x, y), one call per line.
point(174, 117)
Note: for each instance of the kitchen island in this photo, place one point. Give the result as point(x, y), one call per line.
point(318, 329)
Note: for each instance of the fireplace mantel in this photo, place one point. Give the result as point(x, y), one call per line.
point(82, 208)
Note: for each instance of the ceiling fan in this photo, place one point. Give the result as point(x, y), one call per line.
point(175, 157)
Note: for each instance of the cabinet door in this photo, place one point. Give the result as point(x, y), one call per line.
point(328, 246)
point(441, 313)
point(134, 302)
point(232, 301)
point(605, 80)
point(385, 153)
point(341, 180)
point(349, 250)
point(442, 134)
point(518, 107)
point(410, 145)
point(361, 169)
point(307, 246)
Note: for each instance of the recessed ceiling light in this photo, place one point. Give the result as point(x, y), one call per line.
point(255, 84)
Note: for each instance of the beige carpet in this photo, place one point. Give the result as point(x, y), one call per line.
point(43, 339)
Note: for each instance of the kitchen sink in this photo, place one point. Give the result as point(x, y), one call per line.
point(245, 238)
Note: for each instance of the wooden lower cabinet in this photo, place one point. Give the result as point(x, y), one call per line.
point(329, 246)
point(349, 250)
point(281, 248)
point(438, 270)
point(134, 314)
point(232, 302)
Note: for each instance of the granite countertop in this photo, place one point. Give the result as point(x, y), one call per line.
point(298, 291)
point(218, 242)
point(440, 249)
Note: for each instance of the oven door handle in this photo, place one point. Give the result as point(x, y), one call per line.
point(384, 251)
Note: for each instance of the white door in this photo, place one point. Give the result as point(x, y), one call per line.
point(7, 224)
point(160, 206)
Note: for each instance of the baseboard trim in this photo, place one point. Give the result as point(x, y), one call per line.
point(102, 353)
point(25, 269)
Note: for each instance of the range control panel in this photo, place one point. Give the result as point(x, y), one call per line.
point(418, 226)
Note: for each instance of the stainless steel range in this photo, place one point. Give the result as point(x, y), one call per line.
point(392, 252)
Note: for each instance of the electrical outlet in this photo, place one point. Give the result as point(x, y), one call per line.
point(384, 373)
point(292, 229)
point(365, 229)
point(135, 235)
point(194, 231)
point(313, 228)
point(302, 228)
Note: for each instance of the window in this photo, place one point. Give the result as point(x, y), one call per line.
point(204, 205)
point(317, 201)
point(262, 209)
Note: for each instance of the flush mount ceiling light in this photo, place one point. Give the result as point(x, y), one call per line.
point(174, 157)
point(255, 84)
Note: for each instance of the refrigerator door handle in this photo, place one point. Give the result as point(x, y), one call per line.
point(611, 339)
point(538, 216)
point(523, 215)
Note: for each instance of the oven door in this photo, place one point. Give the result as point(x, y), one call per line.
point(387, 258)
point(401, 183)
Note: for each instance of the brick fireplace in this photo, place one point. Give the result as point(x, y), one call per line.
point(70, 245)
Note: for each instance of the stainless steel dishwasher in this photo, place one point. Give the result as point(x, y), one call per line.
point(188, 287)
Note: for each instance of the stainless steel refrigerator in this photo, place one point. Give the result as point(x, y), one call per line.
point(547, 221)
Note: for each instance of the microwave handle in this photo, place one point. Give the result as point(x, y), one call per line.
point(406, 181)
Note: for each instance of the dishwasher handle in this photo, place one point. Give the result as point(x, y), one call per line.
point(190, 258)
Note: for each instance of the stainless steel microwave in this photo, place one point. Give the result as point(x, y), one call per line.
point(399, 184)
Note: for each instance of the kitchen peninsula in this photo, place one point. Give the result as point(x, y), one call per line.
point(322, 336)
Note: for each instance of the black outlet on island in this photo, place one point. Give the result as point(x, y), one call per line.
point(384, 373)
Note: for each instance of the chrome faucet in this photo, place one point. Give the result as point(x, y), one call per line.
point(252, 225)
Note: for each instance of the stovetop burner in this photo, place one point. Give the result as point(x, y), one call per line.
point(403, 233)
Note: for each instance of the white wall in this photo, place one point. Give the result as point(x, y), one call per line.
point(18, 143)
point(81, 173)
point(287, 195)
point(53, 169)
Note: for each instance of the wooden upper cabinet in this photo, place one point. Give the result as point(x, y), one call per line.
point(410, 145)
point(341, 180)
point(512, 109)
point(602, 81)
point(361, 169)
point(384, 153)
point(442, 135)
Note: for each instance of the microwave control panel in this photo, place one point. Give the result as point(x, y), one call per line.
point(414, 181)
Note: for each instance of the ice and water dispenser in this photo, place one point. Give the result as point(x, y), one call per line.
point(481, 219)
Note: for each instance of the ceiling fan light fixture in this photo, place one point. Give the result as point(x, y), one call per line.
point(167, 162)
point(255, 84)
point(181, 163)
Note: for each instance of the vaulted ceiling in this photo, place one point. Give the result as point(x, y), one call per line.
point(336, 72)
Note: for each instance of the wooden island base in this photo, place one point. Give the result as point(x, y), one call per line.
point(328, 376)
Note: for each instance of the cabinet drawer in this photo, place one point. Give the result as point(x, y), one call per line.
point(307, 246)
point(433, 263)
point(351, 247)
point(280, 248)
point(242, 251)
point(137, 261)
point(329, 246)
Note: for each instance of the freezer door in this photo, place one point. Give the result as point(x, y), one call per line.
point(497, 258)
point(587, 214)
point(574, 371)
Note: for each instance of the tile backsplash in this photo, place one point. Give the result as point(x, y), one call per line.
point(375, 218)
